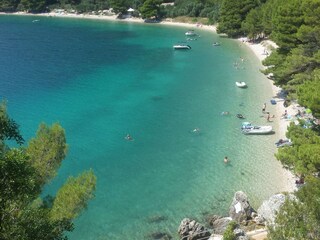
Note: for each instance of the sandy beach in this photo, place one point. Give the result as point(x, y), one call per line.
point(114, 18)
point(262, 50)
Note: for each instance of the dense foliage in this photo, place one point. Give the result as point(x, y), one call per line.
point(299, 218)
point(24, 171)
point(232, 14)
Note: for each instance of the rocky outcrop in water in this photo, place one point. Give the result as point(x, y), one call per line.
point(240, 209)
point(192, 230)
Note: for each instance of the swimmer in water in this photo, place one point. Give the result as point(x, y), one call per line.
point(196, 130)
point(128, 137)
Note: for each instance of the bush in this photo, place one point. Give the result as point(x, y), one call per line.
point(228, 234)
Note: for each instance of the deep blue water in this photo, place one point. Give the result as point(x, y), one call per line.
point(101, 80)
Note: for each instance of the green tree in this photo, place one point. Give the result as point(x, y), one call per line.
point(287, 19)
point(72, 198)
point(304, 156)
point(299, 217)
point(267, 12)
point(232, 14)
point(9, 5)
point(150, 8)
point(47, 150)
point(24, 172)
point(33, 6)
point(252, 26)
point(120, 6)
point(309, 94)
point(9, 129)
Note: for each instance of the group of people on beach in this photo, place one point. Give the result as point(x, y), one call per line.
point(264, 107)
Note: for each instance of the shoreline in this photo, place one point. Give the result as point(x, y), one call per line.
point(114, 18)
point(261, 51)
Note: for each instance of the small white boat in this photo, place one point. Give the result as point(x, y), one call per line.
point(283, 143)
point(248, 128)
point(190, 33)
point(181, 47)
point(241, 84)
point(215, 44)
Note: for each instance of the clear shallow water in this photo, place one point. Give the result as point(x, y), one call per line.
point(102, 80)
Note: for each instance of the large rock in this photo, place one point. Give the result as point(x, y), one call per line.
point(220, 225)
point(240, 209)
point(240, 234)
point(270, 207)
point(211, 218)
point(192, 230)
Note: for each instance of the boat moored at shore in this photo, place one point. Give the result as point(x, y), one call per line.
point(248, 128)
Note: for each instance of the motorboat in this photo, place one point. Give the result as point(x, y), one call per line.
point(241, 84)
point(190, 33)
point(283, 143)
point(215, 44)
point(248, 128)
point(181, 47)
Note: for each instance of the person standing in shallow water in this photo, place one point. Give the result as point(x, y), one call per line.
point(264, 107)
point(268, 117)
point(226, 160)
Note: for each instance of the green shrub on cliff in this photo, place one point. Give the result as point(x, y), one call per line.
point(229, 234)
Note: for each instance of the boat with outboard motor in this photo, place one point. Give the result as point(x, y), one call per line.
point(181, 46)
point(190, 33)
point(248, 128)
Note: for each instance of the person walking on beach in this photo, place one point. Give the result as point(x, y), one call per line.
point(264, 107)
point(285, 115)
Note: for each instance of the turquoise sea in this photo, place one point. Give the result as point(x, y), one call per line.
point(102, 80)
